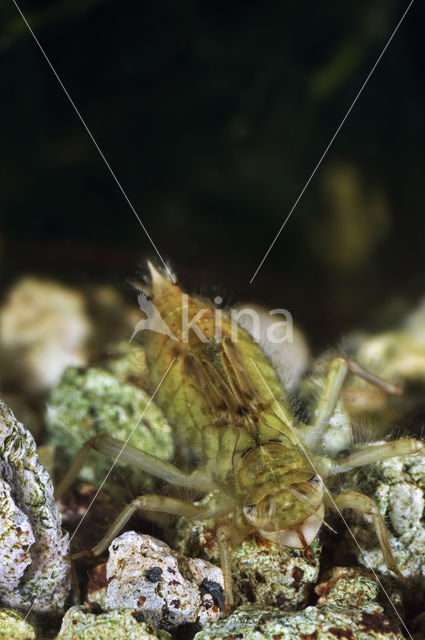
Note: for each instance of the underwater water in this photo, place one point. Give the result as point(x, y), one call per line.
point(270, 159)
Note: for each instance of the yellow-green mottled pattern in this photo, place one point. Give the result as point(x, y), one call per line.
point(181, 396)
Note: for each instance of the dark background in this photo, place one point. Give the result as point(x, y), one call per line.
point(213, 115)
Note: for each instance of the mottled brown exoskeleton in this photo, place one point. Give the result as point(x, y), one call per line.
point(259, 468)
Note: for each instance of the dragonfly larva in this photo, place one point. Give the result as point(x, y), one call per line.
point(260, 469)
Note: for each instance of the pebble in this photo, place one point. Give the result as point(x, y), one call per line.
point(144, 574)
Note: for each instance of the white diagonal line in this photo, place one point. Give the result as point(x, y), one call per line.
point(102, 155)
point(111, 468)
point(332, 500)
point(332, 139)
point(123, 447)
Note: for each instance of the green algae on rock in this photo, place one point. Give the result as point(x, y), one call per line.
point(34, 570)
point(360, 588)
point(91, 402)
point(350, 586)
point(127, 362)
point(79, 623)
point(14, 627)
point(312, 623)
point(263, 572)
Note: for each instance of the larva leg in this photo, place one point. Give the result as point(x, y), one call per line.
point(131, 455)
point(402, 447)
point(338, 370)
point(223, 540)
point(365, 505)
point(161, 504)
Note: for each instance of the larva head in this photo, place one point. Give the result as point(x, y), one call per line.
point(286, 506)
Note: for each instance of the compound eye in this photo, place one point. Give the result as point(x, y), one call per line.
point(249, 511)
point(315, 480)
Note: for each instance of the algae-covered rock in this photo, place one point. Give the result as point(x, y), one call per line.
point(362, 589)
point(145, 574)
point(14, 627)
point(90, 402)
point(127, 362)
point(263, 572)
point(350, 586)
point(398, 486)
point(34, 571)
point(44, 328)
point(312, 623)
point(79, 623)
